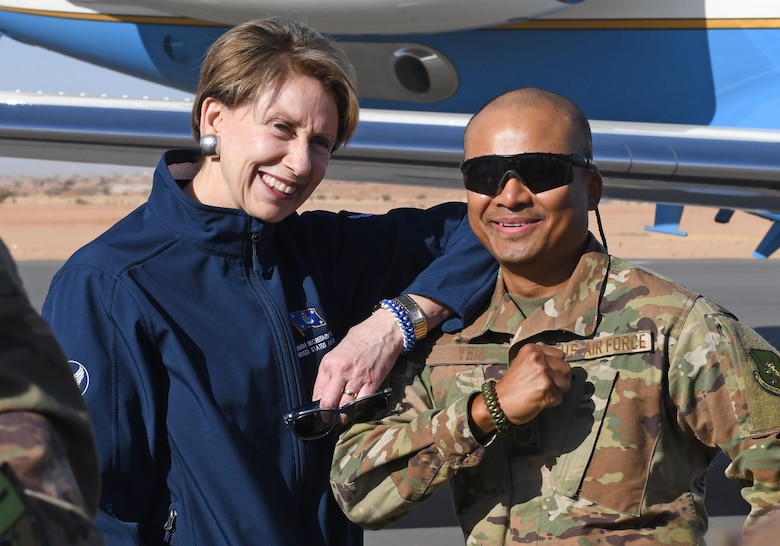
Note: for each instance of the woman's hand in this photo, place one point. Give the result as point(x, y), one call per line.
point(359, 364)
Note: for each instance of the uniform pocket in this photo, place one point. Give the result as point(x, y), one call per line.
point(583, 411)
point(622, 441)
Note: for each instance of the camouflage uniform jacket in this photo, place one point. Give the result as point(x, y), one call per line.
point(663, 380)
point(49, 476)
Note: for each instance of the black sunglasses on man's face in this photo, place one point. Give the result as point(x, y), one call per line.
point(311, 422)
point(539, 172)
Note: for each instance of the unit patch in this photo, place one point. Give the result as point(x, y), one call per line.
point(767, 372)
point(587, 349)
point(11, 504)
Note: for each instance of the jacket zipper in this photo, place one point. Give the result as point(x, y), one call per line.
point(255, 257)
point(288, 358)
point(170, 525)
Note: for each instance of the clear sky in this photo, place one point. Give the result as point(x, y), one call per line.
point(32, 69)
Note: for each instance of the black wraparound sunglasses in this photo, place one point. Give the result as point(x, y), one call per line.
point(310, 422)
point(538, 171)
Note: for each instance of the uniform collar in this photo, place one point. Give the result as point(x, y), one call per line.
point(575, 309)
point(501, 317)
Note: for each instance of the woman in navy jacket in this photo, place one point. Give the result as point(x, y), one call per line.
point(203, 317)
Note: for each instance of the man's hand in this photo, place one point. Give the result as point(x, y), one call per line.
point(537, 378)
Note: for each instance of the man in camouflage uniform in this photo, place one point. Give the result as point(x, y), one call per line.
point(621, 387)
point(49, 477)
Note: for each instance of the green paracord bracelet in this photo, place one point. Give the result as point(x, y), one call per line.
point(496, 414)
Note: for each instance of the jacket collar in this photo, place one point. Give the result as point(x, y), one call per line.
point(223, 231)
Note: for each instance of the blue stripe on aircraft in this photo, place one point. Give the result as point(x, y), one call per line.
point(725, 77)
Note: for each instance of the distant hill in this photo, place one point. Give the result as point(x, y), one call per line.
point(74, 186)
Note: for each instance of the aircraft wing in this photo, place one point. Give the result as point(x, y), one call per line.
point(720, 167)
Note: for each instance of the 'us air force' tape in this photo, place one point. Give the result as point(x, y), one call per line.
point(581, 349)
point(617, 344)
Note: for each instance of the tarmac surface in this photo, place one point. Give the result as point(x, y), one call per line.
point(748, 288)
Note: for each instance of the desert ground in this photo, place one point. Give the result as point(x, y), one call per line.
point(48, 219)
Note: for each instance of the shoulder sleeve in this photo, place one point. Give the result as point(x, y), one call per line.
point(39, 493)
point(462, 278)
point(382, 469)
point(103, 332)
point(46, 442)
point(359, 259)
point(725, 379)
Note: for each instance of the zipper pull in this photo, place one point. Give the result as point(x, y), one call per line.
point(255, 257)
point(170, 524)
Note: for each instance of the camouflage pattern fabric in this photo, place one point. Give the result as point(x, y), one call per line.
point(663, 380)
point(49, 476)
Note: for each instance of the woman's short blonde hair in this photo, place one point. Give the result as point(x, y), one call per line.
point(258, 55)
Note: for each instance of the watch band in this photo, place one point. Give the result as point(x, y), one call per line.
point(416, 315)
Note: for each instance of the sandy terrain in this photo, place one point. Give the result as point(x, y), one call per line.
point(38, 223)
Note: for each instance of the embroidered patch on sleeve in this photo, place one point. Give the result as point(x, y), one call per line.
point(767, 372)
point(12, 506)
point(761, 373)
point(757, 387)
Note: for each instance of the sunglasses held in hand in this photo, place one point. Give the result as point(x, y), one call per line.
point(310, 422)
point(538, 171)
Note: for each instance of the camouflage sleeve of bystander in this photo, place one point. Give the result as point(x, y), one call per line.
point(49, 477)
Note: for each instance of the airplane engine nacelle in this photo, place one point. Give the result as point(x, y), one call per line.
point(407, 72)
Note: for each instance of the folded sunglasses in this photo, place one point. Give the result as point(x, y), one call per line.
point(310, 422)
